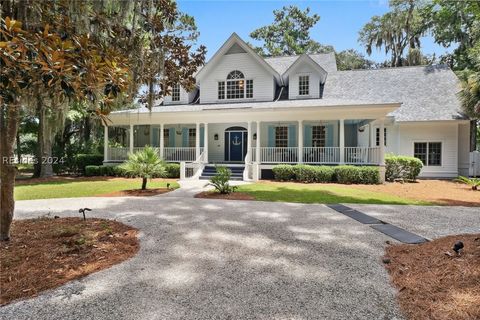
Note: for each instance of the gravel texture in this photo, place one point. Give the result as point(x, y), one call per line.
point(214, 259)
point(427, 221)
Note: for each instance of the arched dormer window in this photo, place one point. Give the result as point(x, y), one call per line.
point(236, 86)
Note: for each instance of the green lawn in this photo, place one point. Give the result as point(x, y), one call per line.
point(321, 193)
point(80, 187)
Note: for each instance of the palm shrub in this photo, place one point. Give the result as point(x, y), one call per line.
point(220, 181)
point(473, 182)
point(145, 164)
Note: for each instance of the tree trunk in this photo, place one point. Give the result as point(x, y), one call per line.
point(19, 153)
point(473, 135)
point(9, 116)
point(144, 183)
point(45, 144)
point(87, 131)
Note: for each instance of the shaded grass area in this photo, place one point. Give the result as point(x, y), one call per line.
point(46, 253)
point(321, 193)
point(81, 187)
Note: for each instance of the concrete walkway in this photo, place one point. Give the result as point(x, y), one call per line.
point(189, 188)
point(217, 259)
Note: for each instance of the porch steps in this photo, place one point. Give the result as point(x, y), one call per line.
point(210, 171)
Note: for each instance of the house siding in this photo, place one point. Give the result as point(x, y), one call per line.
point(263, 83)
point(314, 82)
point(463, 148)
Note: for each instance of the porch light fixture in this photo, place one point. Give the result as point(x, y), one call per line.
point(178, 131)
point(361, 129)
point(215, 136)
point(254, 136)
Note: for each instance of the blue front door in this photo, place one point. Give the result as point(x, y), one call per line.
point(235, 149)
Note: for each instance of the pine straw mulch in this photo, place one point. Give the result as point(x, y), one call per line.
point(136, 193)
point(434, 285)
point(45, 253)
point(230, 196)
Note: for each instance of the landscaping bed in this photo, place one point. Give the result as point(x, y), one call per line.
point(434, 285)
point(45, 253)
point(230, 196)
point(136, 193)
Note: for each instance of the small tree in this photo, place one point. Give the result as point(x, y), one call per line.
point(145, 164)
point(220, 181)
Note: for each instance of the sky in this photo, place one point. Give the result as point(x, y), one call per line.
point(340, 21)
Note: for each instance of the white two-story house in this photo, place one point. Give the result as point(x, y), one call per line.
point(251, 113)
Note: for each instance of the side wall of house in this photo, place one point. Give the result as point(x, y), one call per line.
point(444, 132)
point(463, 148)
point(263, 83)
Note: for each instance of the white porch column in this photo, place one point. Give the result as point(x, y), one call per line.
point(382, 142)
point(162, 140)
point(205, 142)
point(249, 142)
point(131, 138)
point(257, 144)
point(300, 141)
point(105, 143)
point(197, 141)
point(342, 141)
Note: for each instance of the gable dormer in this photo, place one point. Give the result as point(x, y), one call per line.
point(305, 78)
point(236, 73)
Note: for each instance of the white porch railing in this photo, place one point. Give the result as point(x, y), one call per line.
point(193, 170)
point(177, 154)
point(362, 155)
point(321, 155)
point(117, 154)
point(278, 155)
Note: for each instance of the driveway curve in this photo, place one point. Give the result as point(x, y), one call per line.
point(214, 259)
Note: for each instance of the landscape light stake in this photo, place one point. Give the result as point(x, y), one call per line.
point(82, 211)
point(457, 247)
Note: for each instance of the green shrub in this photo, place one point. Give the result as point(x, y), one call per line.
point(309, 174)
point(91, 171)
point(87, 159)
point(220, 181)
point(402, 167)
point(357, 175)
point(284, 172)
point(145, 164)
point(173, 170)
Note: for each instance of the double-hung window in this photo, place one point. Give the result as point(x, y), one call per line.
point(318, 136)
point(281, 137)
point(176, 92)
point(304, 85)
point(166, 138)
point(235, 87)
point(430, 153)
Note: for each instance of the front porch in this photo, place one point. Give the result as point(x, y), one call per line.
point(257, 145)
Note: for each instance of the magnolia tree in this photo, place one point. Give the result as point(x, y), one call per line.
point(55, 53)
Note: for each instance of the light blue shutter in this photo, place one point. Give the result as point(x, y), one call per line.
point(307, 136)
point(271, 136)
point(184, 137)
point(292, 135)
point(155, 141)
point(202, 135)
point(171, 137)
point(329, 131)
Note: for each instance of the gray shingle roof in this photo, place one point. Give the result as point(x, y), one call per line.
point(426, 92)
point(325, 60)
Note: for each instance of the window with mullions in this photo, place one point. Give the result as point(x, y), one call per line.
point(303, 85)
point(235, 87)
point(221, 90)
point(191, 137)
point(430, 153)
point(249, 89)
point(318, 136)
point(281, 137)
point(176, 92)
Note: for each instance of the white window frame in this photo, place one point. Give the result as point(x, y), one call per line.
point(192, 137)
point(284, 140)
point(242, 83)
point(319, 139)
point(377, 136)
point(427, 158)
point(176, 93)
point(300, 85)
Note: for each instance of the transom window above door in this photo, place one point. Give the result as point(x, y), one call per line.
point(236, 86)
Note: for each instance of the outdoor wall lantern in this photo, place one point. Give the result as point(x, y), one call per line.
point(254, 136)
point(215, 137)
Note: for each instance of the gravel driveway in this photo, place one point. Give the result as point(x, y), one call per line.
point(213, 259)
